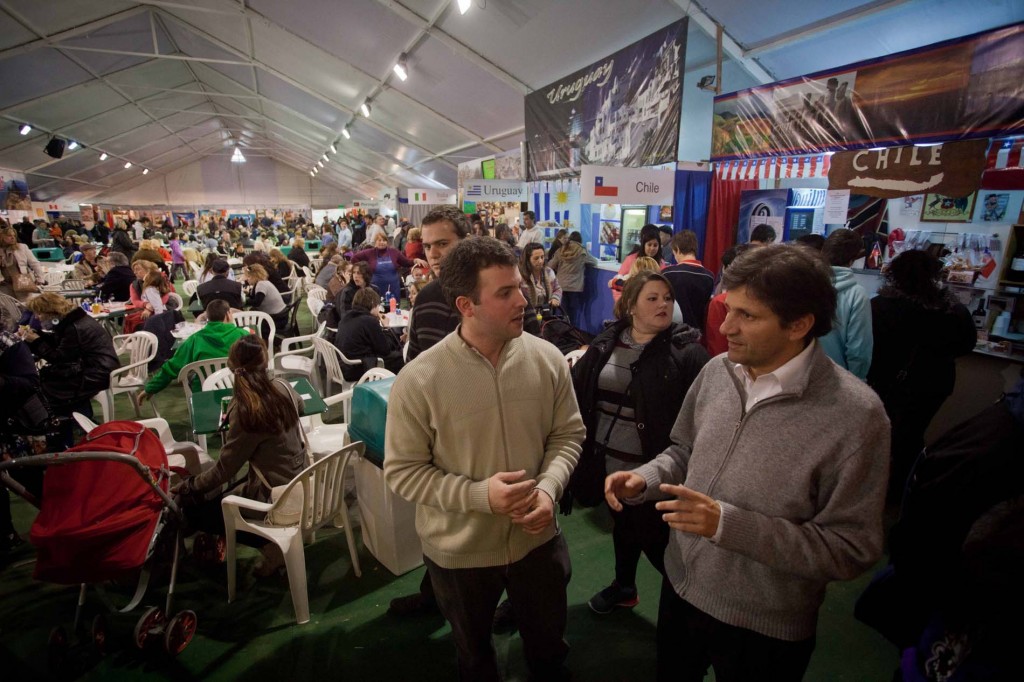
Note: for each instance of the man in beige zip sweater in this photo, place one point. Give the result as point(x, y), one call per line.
point(483, 434)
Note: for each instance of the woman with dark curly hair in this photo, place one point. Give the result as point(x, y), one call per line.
point(919, 330)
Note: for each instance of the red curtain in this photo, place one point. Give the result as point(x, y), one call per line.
point(723, 217)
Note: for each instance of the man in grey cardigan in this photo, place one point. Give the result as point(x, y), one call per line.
point(774, 483)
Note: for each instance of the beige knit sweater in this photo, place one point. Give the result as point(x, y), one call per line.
point(454, 420)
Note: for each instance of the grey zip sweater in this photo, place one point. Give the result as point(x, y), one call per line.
point(801, 479)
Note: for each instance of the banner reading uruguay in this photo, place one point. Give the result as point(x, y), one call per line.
point(495, 190)
point(607, 185)
point(621, 111)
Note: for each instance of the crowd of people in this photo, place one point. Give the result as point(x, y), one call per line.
point(743, 431)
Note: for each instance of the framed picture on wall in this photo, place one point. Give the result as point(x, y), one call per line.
point(665, 214)
point(937, 208)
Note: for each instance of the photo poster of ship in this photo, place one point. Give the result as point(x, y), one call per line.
point(623, 110)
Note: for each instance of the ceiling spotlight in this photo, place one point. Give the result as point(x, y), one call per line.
point(320, 163)
point(334, 150)
point(103, 156)
point(401, 68)
point(464, 6)
point(128, 164)
point(145, 171)
point(346, 133)
point(311, 174)
point(365, 108)
point(325, 157)
point(25, 129)
point(72, 145)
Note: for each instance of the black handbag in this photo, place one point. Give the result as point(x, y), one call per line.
point(586, 485)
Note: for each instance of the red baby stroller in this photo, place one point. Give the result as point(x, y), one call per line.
point(106, 515)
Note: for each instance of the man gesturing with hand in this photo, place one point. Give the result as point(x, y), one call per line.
point(773, 485)
point(483, 433)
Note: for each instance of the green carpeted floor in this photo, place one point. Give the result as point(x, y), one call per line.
point(351, 635)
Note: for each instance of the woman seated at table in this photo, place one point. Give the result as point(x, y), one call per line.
point(149, 252)
point(79, 354)
point(281, 264)
point(359, 278)
point(361, 337)
point(117, 283)
point(263, 296)
point(17, 262)
point(141, 269)
point(261, 258)
point(263, 431)
point(155, 292)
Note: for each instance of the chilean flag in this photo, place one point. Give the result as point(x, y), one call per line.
point(603, 190)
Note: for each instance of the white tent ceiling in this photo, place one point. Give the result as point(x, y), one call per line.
point(163, 84)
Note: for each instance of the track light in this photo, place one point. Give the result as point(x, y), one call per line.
point(25, 129)
point(365, 108)
point(72, 145)
point(103, 156)
point(320, 163)
point(312, 174)
point(128, 164)
point(325, 157)
point(145, 171)
point(334, 150)
point(346, 133)
point(464, 6)
point(401, 68)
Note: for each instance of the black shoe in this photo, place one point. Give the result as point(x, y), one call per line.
point(504, 619)
point(412, 605)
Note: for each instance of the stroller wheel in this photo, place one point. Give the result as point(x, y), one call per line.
point(179, 632)
point(57, 647)
point(99, 633)
point(150, 619)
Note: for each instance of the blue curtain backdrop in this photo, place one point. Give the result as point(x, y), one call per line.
point(693, 198)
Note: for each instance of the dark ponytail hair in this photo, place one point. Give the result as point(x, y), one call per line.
point(258, 405)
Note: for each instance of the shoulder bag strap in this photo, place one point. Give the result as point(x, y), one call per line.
point(305, 440)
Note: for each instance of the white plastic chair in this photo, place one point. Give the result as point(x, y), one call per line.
point(197, 270)
point(73, 284)
point(254, 319)
point(315, 306)
point(332, 360)
point(317, 293)
point(326, 438)
point(173, 296)
point(322, 487)
point(189, 286)
point(573, 356)
point(141, 347)
point(222, 378)
point(298, 357)
point(55, 277)
point(201, 369)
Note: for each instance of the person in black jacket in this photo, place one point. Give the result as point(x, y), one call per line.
point(79, 354)
point(361, 337)
point(273, 275)
point(121, 241)
point(116, 284)
point(297, 254)
point(630, 385)
point(919, 330)
point(220, 287)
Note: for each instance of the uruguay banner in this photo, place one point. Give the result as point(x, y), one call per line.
point(608, 185)
point(556, 201)
point(495, 190)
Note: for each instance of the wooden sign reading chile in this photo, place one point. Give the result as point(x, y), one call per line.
point(952, 169)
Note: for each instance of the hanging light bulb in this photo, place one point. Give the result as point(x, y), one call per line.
point(346, 133)
point(320, 163)
point(312, 174)
point(128, 164)
point(145, 171)
point(334, 150)
point(72, 145)
point(25, 129)
point(103, 156)
point(365, 108)
point(237, 156)
point(325, 157)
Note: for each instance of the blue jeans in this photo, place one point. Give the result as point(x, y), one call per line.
point(536, 586)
